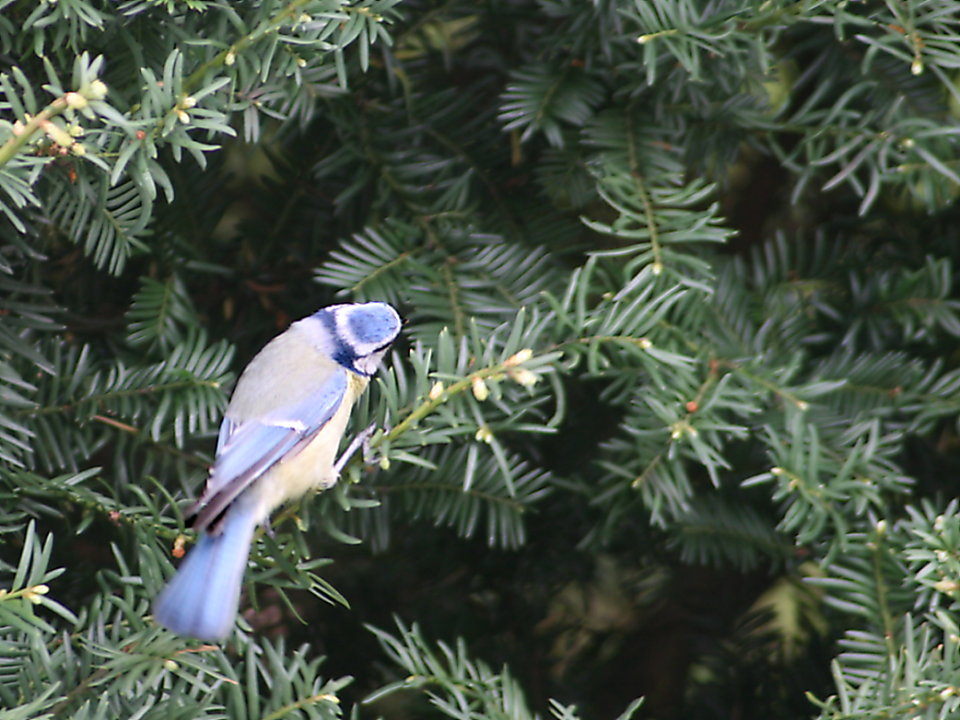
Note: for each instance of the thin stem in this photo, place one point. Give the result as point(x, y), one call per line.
point(150, 389)
point(282, 712)
point(272, 25)
point(634, 162)
point(433, 403)
point(12, 146)
point(885, 615)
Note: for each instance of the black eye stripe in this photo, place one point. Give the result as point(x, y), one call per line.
point(329, 322)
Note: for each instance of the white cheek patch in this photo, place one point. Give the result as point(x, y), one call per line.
point(368, 365)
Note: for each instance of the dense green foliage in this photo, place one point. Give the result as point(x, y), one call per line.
point(674, 414)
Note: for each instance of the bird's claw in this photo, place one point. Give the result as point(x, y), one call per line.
point(361, 440)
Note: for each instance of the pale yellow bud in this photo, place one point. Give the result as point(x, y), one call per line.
point(230, 58)
point(97, 91)
point(75, 100)
point(518, 358)
point(480, 390)
point(947, 586)
point(182, 116)
point(78, 149)
point(436, 391)
point(484, 434)
point(36, 593)
point(56, 133)
point(524, 377)
point(188, 102)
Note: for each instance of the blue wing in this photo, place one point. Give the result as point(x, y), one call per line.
point(246, 449)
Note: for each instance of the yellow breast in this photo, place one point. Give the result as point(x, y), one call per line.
point(312, 467)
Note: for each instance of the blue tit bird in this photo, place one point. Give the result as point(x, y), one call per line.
point(278, 439)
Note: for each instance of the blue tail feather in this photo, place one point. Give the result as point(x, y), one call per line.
point(202, 597)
